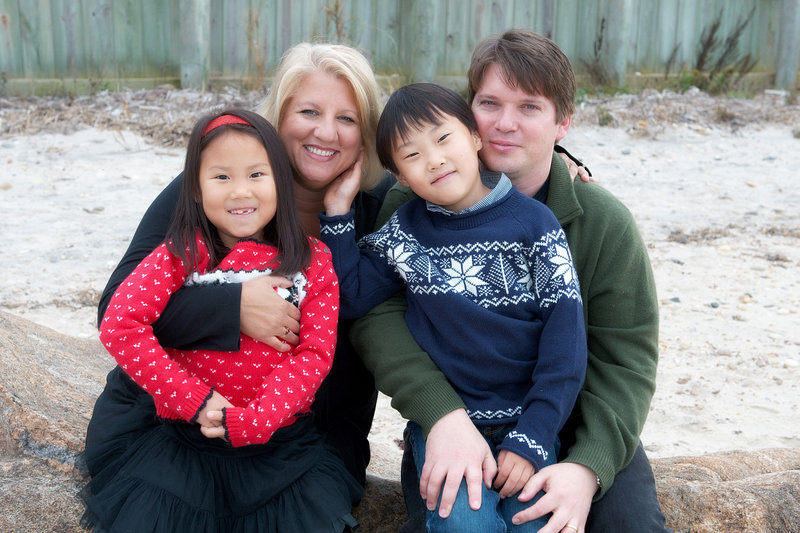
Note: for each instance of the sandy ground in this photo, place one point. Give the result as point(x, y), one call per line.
point(715, 194)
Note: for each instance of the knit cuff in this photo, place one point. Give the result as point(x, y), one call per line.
point(202, 405)
point(593, 455)
point(431, 404)
point(237, 431)
point(194, 398)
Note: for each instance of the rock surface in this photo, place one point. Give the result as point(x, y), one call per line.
point(48, 384)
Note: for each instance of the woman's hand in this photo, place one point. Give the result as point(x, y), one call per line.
point(267, 317)
point(569, 489)
point(575, 170)
point(341, 191)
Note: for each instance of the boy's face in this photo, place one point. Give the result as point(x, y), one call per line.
point(440, 164)
point(518, 130)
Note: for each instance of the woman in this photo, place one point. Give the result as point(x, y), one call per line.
point(325, 104)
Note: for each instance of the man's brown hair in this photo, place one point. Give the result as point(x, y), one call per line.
point(528, 60)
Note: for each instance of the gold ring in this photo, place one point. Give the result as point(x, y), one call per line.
point(572, 527)
point(285, 331)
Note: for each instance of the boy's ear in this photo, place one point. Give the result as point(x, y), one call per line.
point(477, 139)
point(400, 179)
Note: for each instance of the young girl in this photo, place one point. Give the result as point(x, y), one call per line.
point(200, 440)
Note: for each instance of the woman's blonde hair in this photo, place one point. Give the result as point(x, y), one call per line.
point(345, 63)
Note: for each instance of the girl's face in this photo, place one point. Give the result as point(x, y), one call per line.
point(237, 186)
point(321, 129)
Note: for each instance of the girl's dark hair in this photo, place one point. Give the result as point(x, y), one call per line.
point(413, 106)
point(283, 231)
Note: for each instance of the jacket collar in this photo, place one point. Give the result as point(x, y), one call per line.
point(561, 199)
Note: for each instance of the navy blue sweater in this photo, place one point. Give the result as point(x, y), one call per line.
point(493, 297)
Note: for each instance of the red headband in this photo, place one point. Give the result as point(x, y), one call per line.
point(222, 120)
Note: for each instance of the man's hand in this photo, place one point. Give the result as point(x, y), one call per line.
point(569, 489)
point(513, 472)
point(267, 317)
point(455, 450)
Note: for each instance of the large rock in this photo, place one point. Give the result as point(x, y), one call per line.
point(48, 384)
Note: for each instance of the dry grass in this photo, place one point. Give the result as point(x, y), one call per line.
point(165, 115)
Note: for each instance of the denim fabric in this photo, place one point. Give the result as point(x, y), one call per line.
point(630, 505)
point(495, 513)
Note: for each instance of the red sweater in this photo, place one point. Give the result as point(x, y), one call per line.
point(267, 387)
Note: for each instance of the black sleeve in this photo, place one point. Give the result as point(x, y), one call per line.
point(215, 307)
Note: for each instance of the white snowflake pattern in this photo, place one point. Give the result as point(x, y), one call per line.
point(399, 255)
point(464, 276)
point(563, 263)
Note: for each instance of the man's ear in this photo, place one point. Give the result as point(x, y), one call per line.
point(563, 127)
point(400, 179)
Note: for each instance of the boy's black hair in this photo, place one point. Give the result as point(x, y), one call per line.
point(412, 107)
point(283, 231)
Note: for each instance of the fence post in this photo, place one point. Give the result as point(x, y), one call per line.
point(195, 26)
point(788, 43)
point(617, 35)
point(424, 62)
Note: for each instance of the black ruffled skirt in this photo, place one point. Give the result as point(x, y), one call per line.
point(152, 476)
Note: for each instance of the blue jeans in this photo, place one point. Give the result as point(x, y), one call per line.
point(495, 513)
point(630, 505)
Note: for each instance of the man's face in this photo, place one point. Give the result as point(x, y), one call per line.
point(518, 131)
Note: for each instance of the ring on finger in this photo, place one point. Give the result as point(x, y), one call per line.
point(572, 526)
point(285, 331)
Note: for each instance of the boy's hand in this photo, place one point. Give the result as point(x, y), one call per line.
point(340, 193)
point(513, 472)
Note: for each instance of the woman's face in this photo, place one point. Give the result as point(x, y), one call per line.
point(321, 129)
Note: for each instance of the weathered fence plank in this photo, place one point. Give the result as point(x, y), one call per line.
point(106, 40)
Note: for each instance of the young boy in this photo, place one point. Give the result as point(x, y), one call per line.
point(493, 296)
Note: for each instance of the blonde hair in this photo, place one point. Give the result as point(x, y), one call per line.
point(345, 63)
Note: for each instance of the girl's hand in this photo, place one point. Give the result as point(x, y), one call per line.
point(210, 416)
point(575, 170)
point(267, 317)
point(214, 432)
point(569, 489)
point(341, 191)
point(513, 472)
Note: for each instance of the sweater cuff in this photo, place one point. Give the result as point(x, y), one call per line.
point(237, 430)
point(593, 455)
point(337, 224)
point(430, 404)
point(527, 448)
point(193, 401)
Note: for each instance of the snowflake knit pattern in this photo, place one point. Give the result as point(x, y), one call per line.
point(268, 388)
point(493, 298)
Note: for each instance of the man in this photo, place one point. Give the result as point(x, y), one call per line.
point(521, 89)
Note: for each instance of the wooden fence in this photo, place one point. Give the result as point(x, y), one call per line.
point(78, 45)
